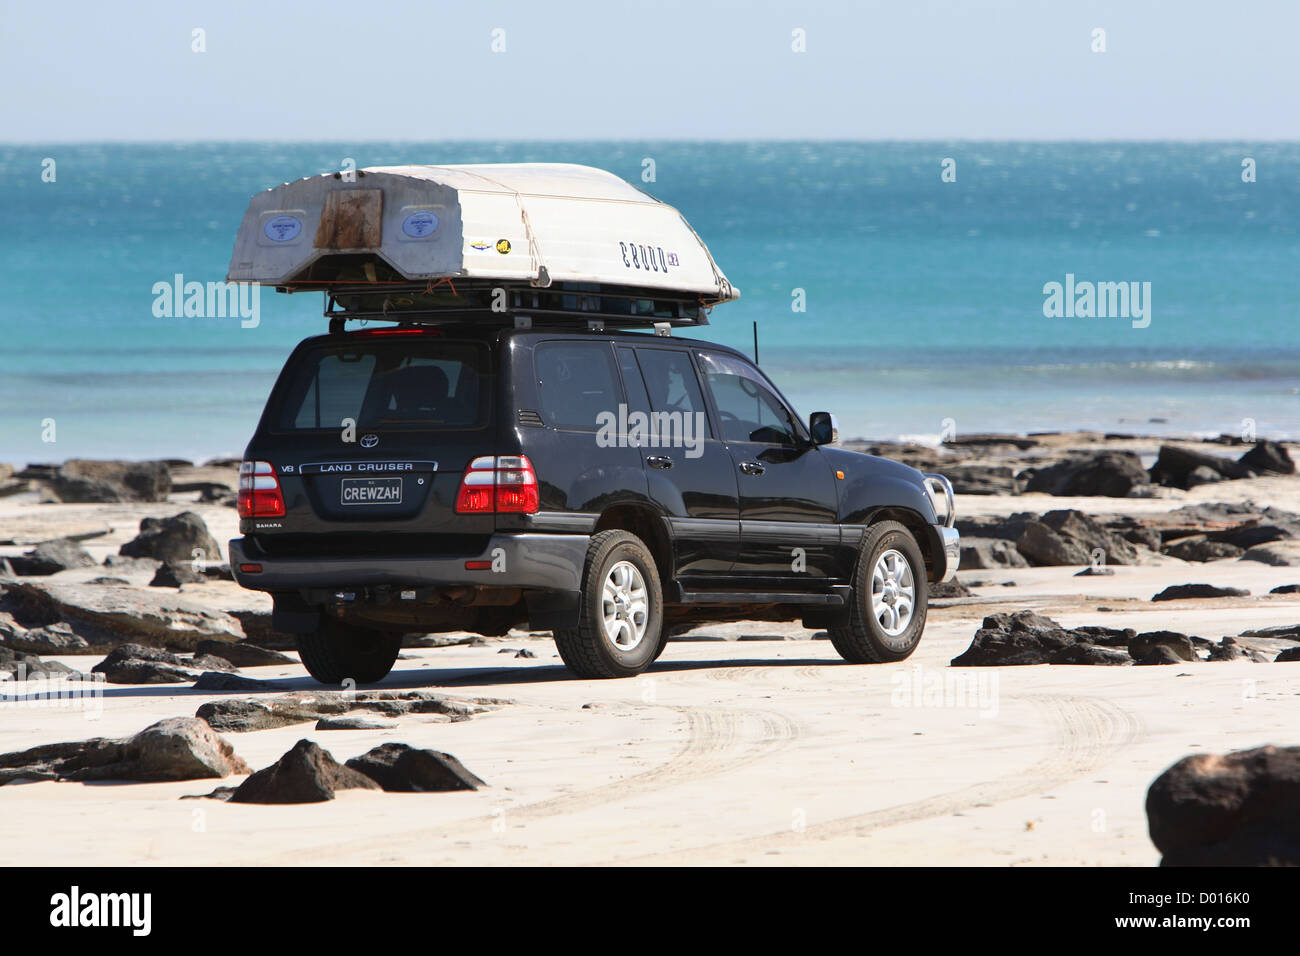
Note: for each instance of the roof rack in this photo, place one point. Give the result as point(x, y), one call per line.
point(453, 301)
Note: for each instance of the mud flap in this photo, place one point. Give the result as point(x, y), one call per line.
point(292, 615)
point(548, 610)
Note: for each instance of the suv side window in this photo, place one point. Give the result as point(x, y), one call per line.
point(749, 410)
point(576, 381)
point(673, 385)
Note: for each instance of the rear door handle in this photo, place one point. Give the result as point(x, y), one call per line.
point(752, 468)
point(662, 462)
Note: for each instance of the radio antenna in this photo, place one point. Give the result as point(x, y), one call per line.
point(756, 341)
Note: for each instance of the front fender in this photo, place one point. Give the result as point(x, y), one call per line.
point(872, 485)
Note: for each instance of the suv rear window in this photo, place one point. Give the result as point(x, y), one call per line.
point(411, 384)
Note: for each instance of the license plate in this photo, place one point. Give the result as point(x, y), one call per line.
point(371, 491)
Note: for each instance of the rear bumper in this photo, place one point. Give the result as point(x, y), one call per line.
point(551, 562)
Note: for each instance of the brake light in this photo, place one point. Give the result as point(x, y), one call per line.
point(259, 491)
point(498, 484)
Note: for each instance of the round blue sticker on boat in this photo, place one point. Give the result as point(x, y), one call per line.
point(419, 224)
point(282, 228)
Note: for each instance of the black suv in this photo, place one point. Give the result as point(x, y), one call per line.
point(614, 487)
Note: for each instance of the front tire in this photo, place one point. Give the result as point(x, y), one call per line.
point(620, 626)
point(890, 595)
point(336, 652)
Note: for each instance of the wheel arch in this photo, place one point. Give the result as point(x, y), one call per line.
point(648, 525)
point(922, 532)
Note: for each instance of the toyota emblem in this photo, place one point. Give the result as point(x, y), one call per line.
point(369, 441)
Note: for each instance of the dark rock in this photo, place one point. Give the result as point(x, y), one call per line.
point(174, 540)
point(1015, 639)
point(178, 748)
point(1278, 554)
point(257, 628)
point(399, 768)
point(1112, 474)
point(1008, 528)
point(243, 654)
point(1268, 456)
point(525, 652)
point(82, 480)
point(1266, 527)
point(208, 662)
point(219, 495)
point(224, 681)
point(1227, 650)
point(106, 617)
point(1201, 475)
point(25, 667)
point(1289, 654)
point(1083, 653)
point(1236, 809)
point(137, 664)
point(1160, 654)
point(1174, 466)
point(110, 582)
point(1106, 636)
point(1066, 537)
point(51, 557)
point(1043, 546)
point(240, 715)
point(122, 562)
point(1141, 645)
point(1286, 589)
point(306, 774)
point(949, 589)
point(1178, 592)
point(57, 638)
point(990, 553)
point(1287, 632)
point(1094, 570)
point(1132, 530)
point(353, 723)
point(170, 575)
point(983, 479)
point(991, 440)
point(1200, 548)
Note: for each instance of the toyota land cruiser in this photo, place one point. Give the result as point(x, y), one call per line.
point(613, 487)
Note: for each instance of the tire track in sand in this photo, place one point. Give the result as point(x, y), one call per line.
point(718, 741)
point(1086, 731)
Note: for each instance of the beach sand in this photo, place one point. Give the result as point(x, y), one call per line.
point(746, 743)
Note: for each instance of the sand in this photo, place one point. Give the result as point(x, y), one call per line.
point(747, 743)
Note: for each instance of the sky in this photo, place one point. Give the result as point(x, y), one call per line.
point(657, 69)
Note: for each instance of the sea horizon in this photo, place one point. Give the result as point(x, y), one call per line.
point(897, 283)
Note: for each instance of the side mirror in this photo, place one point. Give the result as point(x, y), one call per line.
point(823, 428)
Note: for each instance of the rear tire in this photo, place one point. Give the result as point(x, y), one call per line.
point(620, 624)
point(336, 652)
point(890, 594)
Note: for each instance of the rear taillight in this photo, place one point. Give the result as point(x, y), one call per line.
point(500, 484)
point(259, 491)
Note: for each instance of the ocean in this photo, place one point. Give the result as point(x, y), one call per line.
point(908, 305)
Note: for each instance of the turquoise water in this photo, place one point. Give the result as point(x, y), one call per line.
point(924, 299)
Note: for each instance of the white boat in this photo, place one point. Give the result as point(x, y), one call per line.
point(452, 229)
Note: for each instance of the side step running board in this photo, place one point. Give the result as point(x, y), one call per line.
point(837, 598)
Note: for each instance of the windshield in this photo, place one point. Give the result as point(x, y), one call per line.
point(370, 384)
